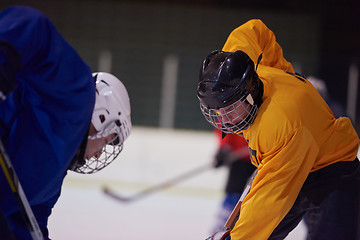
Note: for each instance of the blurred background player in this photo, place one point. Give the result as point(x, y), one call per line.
point(233, 152)
point(320, 86)
point(55, 114)
point(337, 109)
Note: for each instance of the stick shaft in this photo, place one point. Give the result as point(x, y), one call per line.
point(159, 187)
point(19, 194)
point(230, 223)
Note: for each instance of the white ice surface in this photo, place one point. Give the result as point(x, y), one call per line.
point(151, 156)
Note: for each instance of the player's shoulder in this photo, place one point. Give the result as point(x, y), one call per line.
point(24, 11)
point(249, 25)
point(24, 15)
point(255, 21)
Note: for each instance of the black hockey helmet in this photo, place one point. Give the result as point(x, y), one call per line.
point(225, 79)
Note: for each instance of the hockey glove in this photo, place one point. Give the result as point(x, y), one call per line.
point(222, 157)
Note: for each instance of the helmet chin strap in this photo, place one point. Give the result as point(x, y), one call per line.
point(258, 61)
point(78, 159)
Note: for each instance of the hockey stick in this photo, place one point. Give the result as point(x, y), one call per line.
point(19, 194)
point(159, 187)
point(230, 223)
point(169, 183)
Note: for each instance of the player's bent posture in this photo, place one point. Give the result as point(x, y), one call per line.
point(306, 158)
point(55, 114)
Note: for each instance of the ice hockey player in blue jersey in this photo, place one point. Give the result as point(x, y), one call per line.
point(55, 114)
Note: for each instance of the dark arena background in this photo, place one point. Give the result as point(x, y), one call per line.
point(145, 42)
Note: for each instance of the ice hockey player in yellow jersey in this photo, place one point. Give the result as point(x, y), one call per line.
point(306, 158)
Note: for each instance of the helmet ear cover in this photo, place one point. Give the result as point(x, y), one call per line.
point(112, 104)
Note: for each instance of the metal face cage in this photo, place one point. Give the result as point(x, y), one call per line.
point(233, 118)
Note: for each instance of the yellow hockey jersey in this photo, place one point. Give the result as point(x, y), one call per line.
point(293, 134)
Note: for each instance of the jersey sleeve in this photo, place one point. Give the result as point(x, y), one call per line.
point(281, 175)
point(254, 38)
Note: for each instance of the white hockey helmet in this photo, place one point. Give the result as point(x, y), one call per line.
point(111, 117)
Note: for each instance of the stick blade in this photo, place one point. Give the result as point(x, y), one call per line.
point(115, 196)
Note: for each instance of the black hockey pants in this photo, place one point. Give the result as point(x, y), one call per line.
point(330, 197)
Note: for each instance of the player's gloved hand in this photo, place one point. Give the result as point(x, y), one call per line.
point(222, 157)
point(221, 235)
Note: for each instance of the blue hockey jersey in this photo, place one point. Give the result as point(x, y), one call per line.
point(45, 114)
